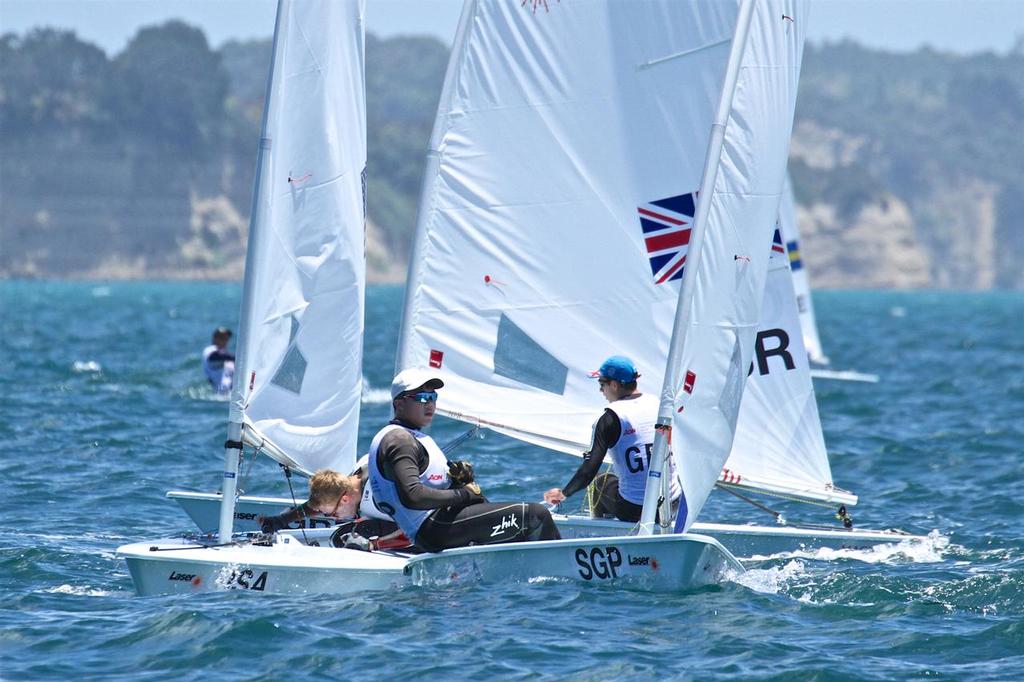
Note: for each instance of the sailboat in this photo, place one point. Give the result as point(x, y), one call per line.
point(300, 279)
point(820, 363)
point(779, 447)
point(517, 287)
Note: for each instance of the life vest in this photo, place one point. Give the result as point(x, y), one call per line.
point(367, 507)
point(385, 492)
point(632, 452)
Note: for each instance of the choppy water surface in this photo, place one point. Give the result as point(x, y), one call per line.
point(104, 409)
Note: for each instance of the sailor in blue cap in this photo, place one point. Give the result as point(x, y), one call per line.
point(626, 430)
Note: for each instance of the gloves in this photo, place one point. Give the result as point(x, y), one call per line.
point(461, 473)
point(469, 496)
point(272, 524)
point(351, 541)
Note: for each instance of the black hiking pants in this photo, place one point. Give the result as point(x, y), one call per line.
point(487, 523)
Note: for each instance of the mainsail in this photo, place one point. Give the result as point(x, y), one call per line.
point(557, 204)
point(791, 235)
point(300, 344)
point(779, 447)
point(723, 287)
point(560, 196)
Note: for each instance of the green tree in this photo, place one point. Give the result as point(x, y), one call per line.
point(170, 87)
point(50, 80)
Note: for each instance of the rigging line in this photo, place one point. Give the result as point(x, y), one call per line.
point(460, 439)
point(790, 497)
point(245, 474)
point(677, 55)
point(302, 513)
point(777, 515)
point(239, 543)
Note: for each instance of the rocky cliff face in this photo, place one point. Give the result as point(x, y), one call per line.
point(905, 166)
point(940, 238)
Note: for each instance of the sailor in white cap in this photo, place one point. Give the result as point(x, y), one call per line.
point(436, 502)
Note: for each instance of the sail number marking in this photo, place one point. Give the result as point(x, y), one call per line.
point(603, 563)
point(599, 563)
point(243, 579)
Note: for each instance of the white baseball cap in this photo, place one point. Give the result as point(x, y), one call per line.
point(413, 378)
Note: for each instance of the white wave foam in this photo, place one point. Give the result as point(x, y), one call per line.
point(225, 576)
point(78, 590)
point(375, 396)
point(205, 392)
point(770, 580)
point(101, 292)
point(86, 366)
point(917, 551)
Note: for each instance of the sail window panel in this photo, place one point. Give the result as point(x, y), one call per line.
point(518, 357)
point(732, 390)
point(292, 371)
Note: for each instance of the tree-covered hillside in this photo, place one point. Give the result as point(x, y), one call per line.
point(906, 166)
point(936, 133)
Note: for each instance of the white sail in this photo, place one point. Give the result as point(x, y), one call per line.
point(779, 447)
point(791, 235)
point(301, 337)
point(556, 205)
point(723, 288)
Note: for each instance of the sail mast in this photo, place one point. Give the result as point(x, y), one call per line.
point(239, 391)
point(663, 426)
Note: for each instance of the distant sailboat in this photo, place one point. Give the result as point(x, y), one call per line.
point(812, 340)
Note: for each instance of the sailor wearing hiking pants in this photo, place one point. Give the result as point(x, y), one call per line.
point(436, 502)
point(626, 429)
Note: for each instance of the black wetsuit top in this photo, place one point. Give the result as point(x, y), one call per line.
point(462, 517)
point(606, 434)
point(403, 459)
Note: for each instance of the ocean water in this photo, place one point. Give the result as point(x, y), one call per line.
point(103, 409)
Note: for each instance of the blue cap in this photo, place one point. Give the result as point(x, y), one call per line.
point(620, 368)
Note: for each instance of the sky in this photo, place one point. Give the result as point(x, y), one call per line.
point(962, 26)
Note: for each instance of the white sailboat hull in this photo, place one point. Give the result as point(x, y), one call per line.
point(664, 562)
point(740, 540)
point(752, 541)
point(286, 567)
point(658, 562)
point(844, 375)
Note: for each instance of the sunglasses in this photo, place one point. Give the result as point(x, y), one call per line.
point(333, 513)
point(424, 396)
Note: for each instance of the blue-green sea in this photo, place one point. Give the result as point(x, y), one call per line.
point(103, 408)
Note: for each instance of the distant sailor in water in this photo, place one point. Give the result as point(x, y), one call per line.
point(436, 502)
point(218, 363)
point(626, 428)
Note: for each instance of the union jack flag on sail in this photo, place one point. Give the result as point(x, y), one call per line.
point(666, 225)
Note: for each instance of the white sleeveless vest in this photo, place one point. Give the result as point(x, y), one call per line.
point(385, 492)
point(367, 508)
point(632, 453)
